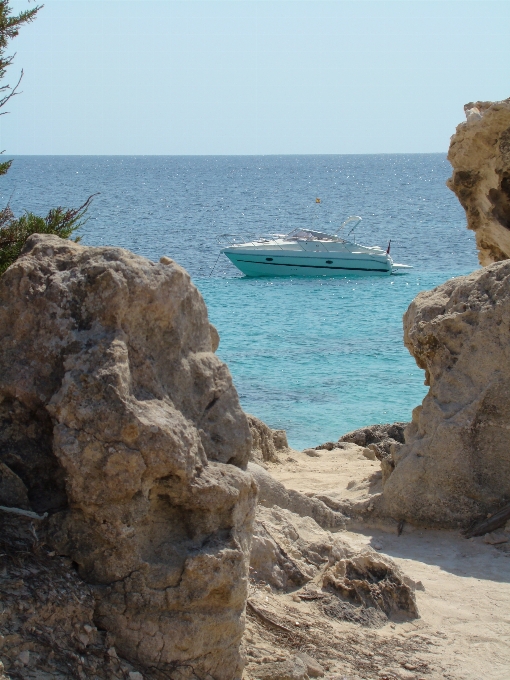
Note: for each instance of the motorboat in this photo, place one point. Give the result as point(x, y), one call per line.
point(306, 252)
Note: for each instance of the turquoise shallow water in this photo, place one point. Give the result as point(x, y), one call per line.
point(317, 357)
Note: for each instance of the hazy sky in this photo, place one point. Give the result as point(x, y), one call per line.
point(262, 77)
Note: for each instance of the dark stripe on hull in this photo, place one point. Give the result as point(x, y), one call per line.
point(313, 266)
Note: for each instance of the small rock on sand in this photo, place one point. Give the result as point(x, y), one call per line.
point(495, 539)
point(313, 667)
point(294, 669)
point(312, 453)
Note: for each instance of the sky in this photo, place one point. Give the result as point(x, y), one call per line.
point(253, 77)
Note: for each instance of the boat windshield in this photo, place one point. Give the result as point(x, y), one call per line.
point(310, 235)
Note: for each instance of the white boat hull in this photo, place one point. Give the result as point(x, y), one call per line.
point(305, 252)
point(307, 264)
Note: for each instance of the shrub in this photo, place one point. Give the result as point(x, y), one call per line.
point(14, 231)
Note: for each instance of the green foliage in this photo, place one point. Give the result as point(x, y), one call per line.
point(5, 166)
point(9, 29)
point(14, 231)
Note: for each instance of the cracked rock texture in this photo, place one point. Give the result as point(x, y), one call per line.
point(374, 581)
point(289, 550)
point(117, 418)
point(293, 553)
point(455, 464)
point(273, 493)
point(480, 155)
point(266, 443)
point(381, 438)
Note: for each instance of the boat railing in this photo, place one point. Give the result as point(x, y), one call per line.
point(275, 241)
point(226, 240)
point(353, 221)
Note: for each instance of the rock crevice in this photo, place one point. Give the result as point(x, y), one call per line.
point(480, 155)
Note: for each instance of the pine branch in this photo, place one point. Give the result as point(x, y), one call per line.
point(14, 231)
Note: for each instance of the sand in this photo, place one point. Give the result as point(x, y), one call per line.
point(462, 591)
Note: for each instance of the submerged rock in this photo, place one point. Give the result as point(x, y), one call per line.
point(455, 464)
point(118, 419)
point(480, 155)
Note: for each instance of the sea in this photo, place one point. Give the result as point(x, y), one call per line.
point(317, 357)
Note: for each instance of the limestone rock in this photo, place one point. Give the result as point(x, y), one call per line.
point(377, 438)
point(274, 493)
point(265, 442)
point(215, 337)
point(455, 464)
point(47, 612)
point(288, 550)
point(312, 453)
point(313, 667)
point(280, 440)
point(480, 156)
point(123, 424)
point(13, 493)
point(372, 580)
point(293, 669)
point(327, 446)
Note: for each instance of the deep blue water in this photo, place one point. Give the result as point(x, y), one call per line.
point(319, 356)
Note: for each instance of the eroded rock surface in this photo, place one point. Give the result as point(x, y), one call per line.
point(47, 619)
point(374, 581)
point(118, 420)
point(288, 550)
point(266, 442)
point(273, 493)
point(381, 437)
point(455, 464)
point(293, 669)
point(480, 156)
point(293, 553)
point(381, 442)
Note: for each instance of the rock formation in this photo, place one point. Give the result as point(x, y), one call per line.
point(293, 669)
point(293, 553)
point(47, 619)
point(288, 550)
point(455, 464)
point(380, 437)
point(266, 443)
point(381, 442)
point(374, 581)
point(118, 420)
point(274, 493)
point(480, 156)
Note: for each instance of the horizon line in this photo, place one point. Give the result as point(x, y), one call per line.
point(214, 155)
